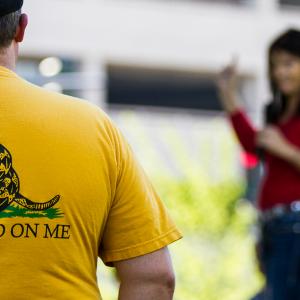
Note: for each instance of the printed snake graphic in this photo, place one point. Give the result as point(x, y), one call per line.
point(10, 186)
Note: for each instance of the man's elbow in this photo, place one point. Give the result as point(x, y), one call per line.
point(150, 276)
point(167, 281)
point(171, 283)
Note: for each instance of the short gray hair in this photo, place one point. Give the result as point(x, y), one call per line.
point(8, 28)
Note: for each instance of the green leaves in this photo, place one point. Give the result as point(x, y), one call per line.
point(193, 163)
point(215, 260)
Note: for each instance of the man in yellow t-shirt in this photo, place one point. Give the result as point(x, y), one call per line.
point(71, 191)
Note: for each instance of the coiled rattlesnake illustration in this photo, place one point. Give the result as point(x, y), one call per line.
point(10, 186)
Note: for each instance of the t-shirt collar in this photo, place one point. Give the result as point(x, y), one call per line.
point(5, 72)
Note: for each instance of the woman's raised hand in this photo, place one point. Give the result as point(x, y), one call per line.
point(227, 82)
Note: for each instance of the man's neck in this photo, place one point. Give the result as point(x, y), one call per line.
point(8, 58)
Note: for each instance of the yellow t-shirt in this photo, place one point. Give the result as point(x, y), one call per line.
point(70, 191)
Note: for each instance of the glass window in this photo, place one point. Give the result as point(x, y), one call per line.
point(290, 2)
point(53, 73)
point(160, 88)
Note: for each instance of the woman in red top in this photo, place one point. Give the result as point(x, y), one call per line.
point(279, 146)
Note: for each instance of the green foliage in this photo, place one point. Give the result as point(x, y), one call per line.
point(215, 259)
point(199, 206)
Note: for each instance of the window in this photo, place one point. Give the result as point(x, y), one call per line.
point(53, 73)
point(290, 2)
point(161, 88)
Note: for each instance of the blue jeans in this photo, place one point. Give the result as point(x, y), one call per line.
point(281, 257)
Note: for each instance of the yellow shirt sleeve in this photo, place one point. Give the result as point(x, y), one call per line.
point(138, 222)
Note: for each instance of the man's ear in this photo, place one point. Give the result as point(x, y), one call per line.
point(21, 28)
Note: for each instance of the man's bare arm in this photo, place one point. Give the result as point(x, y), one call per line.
point(148, 277)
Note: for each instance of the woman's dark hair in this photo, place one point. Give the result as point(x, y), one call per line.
point(289, 42)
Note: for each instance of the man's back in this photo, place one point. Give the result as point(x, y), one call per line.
point(54, 150)
point(70, 191)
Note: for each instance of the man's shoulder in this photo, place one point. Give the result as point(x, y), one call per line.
point(66, 105)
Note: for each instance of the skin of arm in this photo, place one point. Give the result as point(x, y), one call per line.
point(273, 141)
point(147, 277)
point(227, 87)
point(227, 82)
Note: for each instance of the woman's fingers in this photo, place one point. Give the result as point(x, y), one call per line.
point(261, 138)
point(229, 73)
point(231, 69)
point(225, 76)
point(267, 135)
point(226, 82)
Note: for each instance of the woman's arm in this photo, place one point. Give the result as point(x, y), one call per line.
point(273, 141)
point(227, 85)
point(245, 131)
point(293, 157)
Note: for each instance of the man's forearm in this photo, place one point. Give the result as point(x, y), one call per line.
point(146, 291)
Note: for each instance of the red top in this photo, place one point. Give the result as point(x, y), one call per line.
point(281, 183)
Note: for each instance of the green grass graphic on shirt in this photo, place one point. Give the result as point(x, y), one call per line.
point(15, 211)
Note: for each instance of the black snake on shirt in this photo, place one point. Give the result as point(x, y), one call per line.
point(10, 186)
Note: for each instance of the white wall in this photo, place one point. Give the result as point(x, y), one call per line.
point(167, 34)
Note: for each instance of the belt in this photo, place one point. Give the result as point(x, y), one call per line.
point(279, 211)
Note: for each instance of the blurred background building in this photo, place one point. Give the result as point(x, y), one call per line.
point(152, 64)
point(157, 58)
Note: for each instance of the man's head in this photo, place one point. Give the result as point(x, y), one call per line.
point(12, 28)
point(8, 28)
